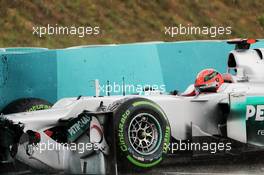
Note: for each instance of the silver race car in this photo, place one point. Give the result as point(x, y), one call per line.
point(72, 135)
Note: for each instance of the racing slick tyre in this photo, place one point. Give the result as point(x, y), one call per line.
point(26, 105)
point(142, 133)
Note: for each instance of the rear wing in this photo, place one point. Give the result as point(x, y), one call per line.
point(242, 43)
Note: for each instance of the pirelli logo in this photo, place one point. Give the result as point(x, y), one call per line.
point(256, 112)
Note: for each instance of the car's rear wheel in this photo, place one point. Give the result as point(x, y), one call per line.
point(26, 105)
point(142, 132)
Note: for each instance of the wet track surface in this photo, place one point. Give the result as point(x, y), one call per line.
point(247, 165)
point(250, 164)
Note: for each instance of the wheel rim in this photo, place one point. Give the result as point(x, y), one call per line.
point(144, 134)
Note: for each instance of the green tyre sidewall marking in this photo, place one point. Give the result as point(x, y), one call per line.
point(166, 140)
point(148, 103)
point(38, 107)
point(143, 165)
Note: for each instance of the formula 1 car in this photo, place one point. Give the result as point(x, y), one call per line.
point(144, 126)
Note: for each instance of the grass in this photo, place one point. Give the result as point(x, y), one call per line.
point(124, 21)
point(261, 20)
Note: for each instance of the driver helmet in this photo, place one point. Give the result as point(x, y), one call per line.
point(208, 80)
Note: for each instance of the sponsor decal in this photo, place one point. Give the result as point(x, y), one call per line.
point(121, 137)
point(254, 112)
point(166, 140)
point(38, 107)
point(78, 127)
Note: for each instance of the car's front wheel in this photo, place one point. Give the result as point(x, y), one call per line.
point(142, 132)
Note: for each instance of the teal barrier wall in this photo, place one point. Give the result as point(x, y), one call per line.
point(182, 61)
point(32, 74)
point(54, 74)
point(138, 64)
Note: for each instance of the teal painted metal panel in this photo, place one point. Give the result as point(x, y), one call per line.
point(138, 64)
point(28, 75)
point(259, 44)
point(182, 61)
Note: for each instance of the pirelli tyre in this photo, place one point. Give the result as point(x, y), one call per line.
point(26, 105)
point(142, 133)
